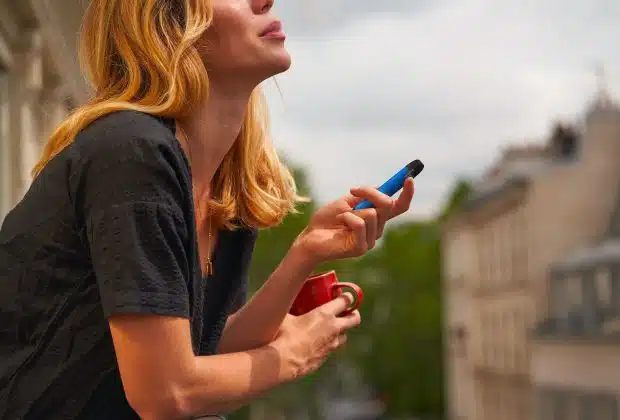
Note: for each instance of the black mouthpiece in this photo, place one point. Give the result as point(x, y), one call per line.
point(415, 168)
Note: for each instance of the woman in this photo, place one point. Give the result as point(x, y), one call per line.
point(123, 270)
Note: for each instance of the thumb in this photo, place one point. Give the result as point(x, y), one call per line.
point(338, 305)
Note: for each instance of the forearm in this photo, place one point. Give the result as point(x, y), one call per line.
point(164, 379)
point(257, 323)
point(223, 383)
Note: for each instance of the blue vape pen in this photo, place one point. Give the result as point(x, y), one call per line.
point(396, 182)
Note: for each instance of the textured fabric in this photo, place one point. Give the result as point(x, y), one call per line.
point(107, 228)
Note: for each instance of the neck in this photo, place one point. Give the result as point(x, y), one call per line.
point(209, 132)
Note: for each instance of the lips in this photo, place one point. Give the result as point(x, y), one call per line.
point(273, 27)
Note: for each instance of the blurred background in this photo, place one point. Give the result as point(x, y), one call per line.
point(498, 296)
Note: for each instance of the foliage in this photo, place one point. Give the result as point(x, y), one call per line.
point(398, 348)
point(461, 190)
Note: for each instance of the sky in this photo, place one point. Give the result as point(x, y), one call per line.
point(376, 84)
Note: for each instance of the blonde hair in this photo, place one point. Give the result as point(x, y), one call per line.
point(141, 55)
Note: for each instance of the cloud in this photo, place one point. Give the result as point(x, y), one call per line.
point(448, 82)
point(318, 18)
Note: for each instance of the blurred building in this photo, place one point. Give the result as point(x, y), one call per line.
point(39, 83)
point(532, 280)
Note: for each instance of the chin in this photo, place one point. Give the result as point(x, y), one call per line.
point(273, 67)
point(268, 63)
point(281, 62)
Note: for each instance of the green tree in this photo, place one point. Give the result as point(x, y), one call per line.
point(461, 190)
point(273, 243)
point(271, 246)
point(399, 345)
point(398, 348)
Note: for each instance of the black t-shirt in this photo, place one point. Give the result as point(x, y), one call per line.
point(107, 228)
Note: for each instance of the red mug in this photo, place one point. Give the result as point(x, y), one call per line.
point(322, 288)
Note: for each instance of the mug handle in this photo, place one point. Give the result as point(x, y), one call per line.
point(358, 295)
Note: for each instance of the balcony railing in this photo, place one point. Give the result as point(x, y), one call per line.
point(601, 325)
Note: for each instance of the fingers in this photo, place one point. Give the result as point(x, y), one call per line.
point(352, 201)
point(373, 195)
point(383, 215)
point(403, 202)
point(358, 226)
point(380, 214)
point(336, 306)
point(339, 341)
point(371, 220)
point(348, 321)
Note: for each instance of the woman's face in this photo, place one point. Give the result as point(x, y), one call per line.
point(245, 42)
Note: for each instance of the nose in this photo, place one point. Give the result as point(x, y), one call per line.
point(262, 6)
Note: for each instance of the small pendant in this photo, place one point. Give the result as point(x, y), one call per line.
point(209, 267)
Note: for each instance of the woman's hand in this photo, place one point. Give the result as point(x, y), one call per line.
point(336, 231)
point(304, 342)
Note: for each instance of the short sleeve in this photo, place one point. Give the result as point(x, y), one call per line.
point(130, 191)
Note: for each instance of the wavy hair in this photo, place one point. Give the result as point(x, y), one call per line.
point(141, 55)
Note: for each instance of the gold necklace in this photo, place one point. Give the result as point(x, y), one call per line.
point(208, 263)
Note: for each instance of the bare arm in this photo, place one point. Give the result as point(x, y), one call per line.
point(137, 250)
point(257, 322)
point(334, 232)
point(164, 380)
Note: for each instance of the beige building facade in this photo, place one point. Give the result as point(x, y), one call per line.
point(522, 261)
point(39, 83)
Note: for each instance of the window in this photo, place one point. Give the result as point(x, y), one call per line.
point(480, 246)
point(560, 402)
point(598, 407)
point(564, 142)
point(559, 306)
point(457, 259)
point(575, 295)
point(603, 288)
point(509, 249)
point(501, 246)
point(496, 231)
point(591, 313)
point(572, 404)
point(605, 407)
point(615, 289)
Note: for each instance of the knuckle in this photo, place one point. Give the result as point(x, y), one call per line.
point(323, 312)
point(334, 329)
point(354, 319)
point(348, 297)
